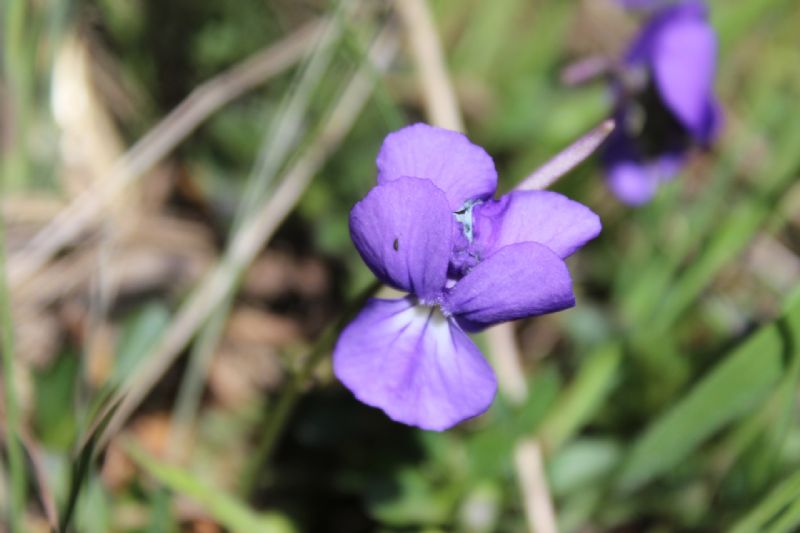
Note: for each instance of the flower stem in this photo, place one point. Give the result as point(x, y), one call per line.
point(276, 422)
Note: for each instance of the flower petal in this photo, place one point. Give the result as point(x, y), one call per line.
point(631, 182)
point(417, 366)
point(546, 217)
point(464, 171)
point(684, 59)
point(517, 281)
point(403, 231)
point(635, 181)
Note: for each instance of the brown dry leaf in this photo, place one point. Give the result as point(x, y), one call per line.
point(600, 27)
point(29, 210)
point(773, 263)
point(152, 433)
point(275, 273)
point(252, 326)
point(270, 275)
point(35, 524)
point(311, 278)
point(238, 376)
point(118, 470)
point(205, 525)
point(190, 511)
point(100, 353)
point(23, 381)
point(37, 334)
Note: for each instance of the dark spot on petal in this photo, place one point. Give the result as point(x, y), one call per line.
point(396, 245)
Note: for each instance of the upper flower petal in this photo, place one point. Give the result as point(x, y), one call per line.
point(403, 230)
point(683, 63)
point(679, 47)
point(546, 217)
point(464, 171)
point(517, 281)
point(420, 368)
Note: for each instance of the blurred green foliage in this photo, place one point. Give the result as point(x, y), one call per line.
point(666, 402)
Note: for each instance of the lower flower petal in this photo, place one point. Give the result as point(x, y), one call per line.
point(417, 366)
point(632, 183)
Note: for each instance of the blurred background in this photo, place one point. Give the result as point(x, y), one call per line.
point(177, 178)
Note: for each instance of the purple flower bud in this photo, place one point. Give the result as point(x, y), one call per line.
point(665, 100)
point(431, 228)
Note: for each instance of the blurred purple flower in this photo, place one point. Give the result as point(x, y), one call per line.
point(431, 228)
point(665, 100)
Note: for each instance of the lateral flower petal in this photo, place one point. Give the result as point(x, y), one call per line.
point(546, 217)
point(517, 281)
point(464, 171)
point(403, 231)
point(417, 366)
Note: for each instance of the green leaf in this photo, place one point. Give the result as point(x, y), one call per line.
point(55, 393)
point(730, 390)
point(412, 500)
point(583, 464)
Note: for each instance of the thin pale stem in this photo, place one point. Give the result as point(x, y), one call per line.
point(426, 47)
point(569, 158)
point(533, 484)
point(507, 363)
point(585, 70)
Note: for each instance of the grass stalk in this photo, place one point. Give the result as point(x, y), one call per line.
point(13, 434)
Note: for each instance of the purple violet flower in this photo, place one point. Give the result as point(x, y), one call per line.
point(665, 100)
point(431, 227)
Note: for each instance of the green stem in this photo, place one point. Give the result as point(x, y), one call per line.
point(276, 423)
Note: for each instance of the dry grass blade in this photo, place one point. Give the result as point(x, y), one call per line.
point(253, 234)
point(536, 496)
point(441, 102)
point(206, 99)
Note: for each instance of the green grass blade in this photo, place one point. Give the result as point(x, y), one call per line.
point(582, 398)
point(769, 507)
point(222, 507)
point(81, 467)
point(16, 458)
